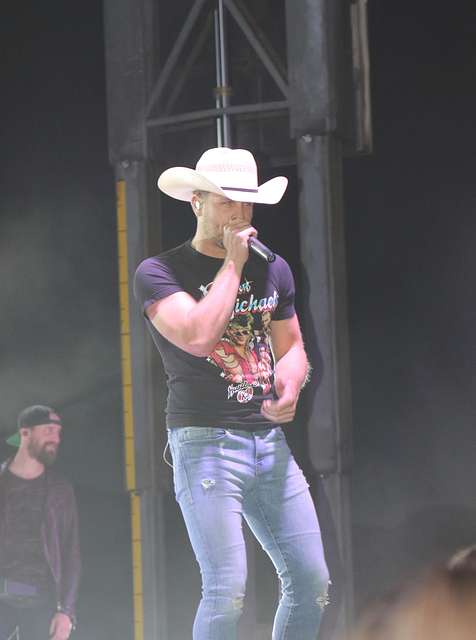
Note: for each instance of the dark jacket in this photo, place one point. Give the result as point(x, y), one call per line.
point(60, 537)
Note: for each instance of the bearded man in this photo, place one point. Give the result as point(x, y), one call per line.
point(39, 545)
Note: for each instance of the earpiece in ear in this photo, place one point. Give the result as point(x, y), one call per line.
point(198, 204)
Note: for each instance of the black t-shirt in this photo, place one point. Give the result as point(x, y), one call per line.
point(22, 556)
point(226, 388)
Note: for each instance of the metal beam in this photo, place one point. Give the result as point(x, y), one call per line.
point(258, 41)
point(361, 77)
point(328, 409)
point(147, 525)
point(174, 55)
point(317, 127)
point(126, 78)
point(212, 113)
point(222, 89)
point(180, 81)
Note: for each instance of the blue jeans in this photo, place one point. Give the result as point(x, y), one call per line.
point(224, 475)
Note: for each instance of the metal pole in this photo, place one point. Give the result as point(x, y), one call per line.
point(174, 55)
point(321, 217)
point(147, 521)
point(218, 78)
point(224, 89)
point(259, 43)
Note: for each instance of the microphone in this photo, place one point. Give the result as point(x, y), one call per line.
point(261, 249)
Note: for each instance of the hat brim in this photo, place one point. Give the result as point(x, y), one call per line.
point(14, 440)
point(181, 182)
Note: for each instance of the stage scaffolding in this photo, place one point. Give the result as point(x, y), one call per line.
point(288, 79)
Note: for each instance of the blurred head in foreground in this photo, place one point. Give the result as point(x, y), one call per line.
point(440, 605)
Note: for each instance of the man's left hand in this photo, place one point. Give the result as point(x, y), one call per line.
point(284, 408)
point(60, 627)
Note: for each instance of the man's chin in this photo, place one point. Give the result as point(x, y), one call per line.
point(47, 456)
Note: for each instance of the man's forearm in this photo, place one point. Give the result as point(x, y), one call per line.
point(290, 375)
point(293, 368)
point(209, 318)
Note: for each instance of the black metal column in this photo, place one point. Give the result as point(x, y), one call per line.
point(316, 67)
point(326, 332)
point(129, 56)
point(140, 437)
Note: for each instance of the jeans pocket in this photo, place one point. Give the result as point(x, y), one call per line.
point(199, 434)
point(188, 445)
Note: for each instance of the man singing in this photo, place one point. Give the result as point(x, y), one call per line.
point(224, 322)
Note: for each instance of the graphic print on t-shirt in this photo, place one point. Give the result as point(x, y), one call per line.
point(243, 355)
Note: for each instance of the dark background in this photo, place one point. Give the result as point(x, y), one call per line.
point(411, 235)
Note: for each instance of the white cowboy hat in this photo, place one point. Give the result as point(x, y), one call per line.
point(231, 173)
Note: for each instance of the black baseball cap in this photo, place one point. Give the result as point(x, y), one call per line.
point(32, 417)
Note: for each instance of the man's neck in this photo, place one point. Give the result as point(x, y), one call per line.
point(26, 467)
point(208, 247)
